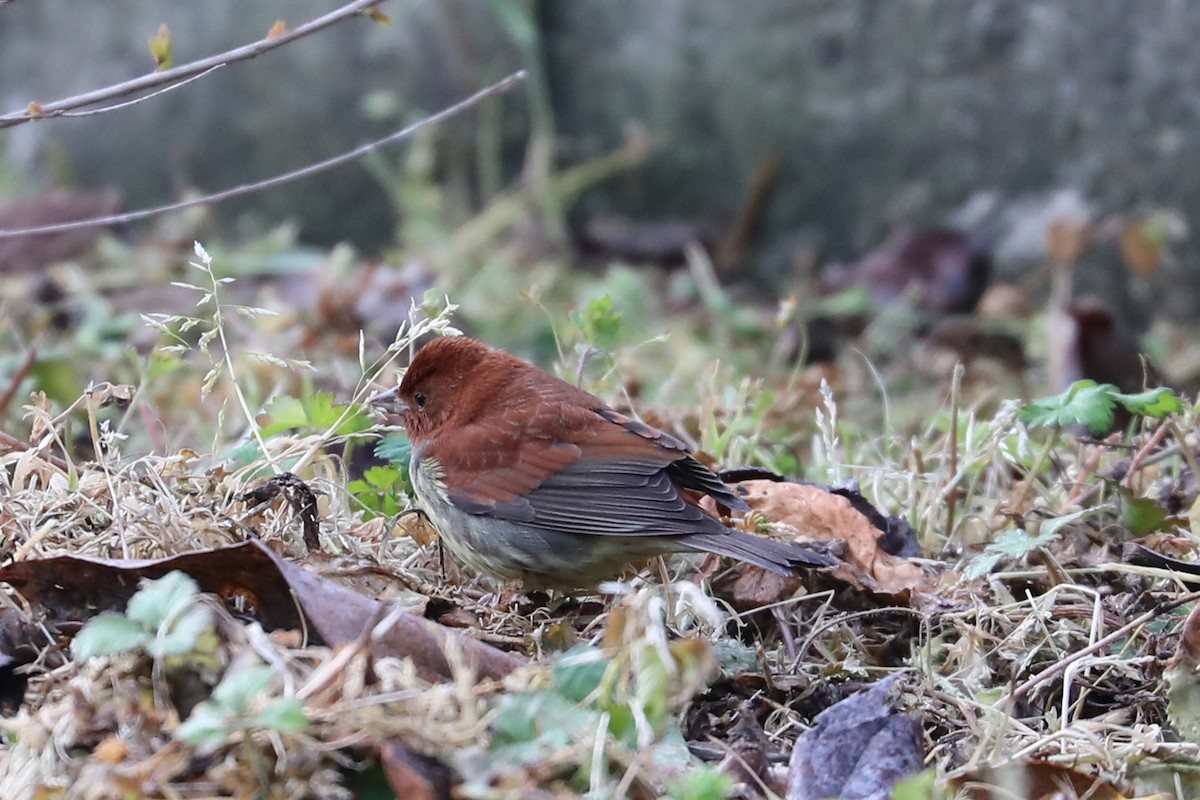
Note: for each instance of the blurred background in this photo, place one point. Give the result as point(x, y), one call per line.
point(849, 190)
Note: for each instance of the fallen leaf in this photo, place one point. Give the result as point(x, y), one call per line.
point(756, 587)
point(814, 513)
point(1035, 780)
point(413, 776)
point(285, 595)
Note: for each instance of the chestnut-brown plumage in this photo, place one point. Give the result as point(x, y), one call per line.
point(526, 476)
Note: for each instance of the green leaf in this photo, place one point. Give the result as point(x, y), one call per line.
point(324, 412)
point(285, 715)
point(600, 323)
point(161, 599)
point(578, 672)
point(1142, 515)
point(236, 692)
point(106, 634)
point(394, 448)
point(184, 634)
point(58, 378)
point(245, 453)
point(317, 413)
point(734, 657)
point(1085, 403)
point(383, 479)
point(1155, 403)
point(518, 20)
point(208, 726)
point(378, 488)
point(1010, 544)
point(1092, 404)
point(701, 783)
point(921, 786)
point(540, 716)
point(286, 412)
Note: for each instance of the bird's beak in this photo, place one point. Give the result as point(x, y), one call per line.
point(389, 401)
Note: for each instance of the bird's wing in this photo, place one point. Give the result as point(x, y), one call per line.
point(618, 477)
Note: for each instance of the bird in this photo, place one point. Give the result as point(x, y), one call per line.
point(528, 477)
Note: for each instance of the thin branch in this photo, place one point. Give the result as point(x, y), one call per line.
point(183, 71)
point(127, 103)
point(8, 443)
point(278, 180)
point(17, 377)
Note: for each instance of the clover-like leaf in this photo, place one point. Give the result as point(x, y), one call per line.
point(1084, 403)
point(578, 673)
point(285, 715)
point(208, 726)
point(1010, 544)
point(158, 600)
point(394, 448)
point(108, 633)
point(236, 692)
point(183, 635)
point(1154, 403)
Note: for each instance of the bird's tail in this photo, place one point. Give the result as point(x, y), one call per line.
point(782, 557)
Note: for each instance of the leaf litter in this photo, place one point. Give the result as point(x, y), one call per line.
point(1031, 647)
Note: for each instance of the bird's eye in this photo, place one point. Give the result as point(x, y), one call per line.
point(420, 399)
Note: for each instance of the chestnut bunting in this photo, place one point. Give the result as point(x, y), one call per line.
point(528, 477)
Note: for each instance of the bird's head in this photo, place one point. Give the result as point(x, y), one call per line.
point(451, 382)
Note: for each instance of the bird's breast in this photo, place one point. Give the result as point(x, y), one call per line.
point(429, 482)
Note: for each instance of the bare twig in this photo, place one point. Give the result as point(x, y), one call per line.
point(278, 180)
point(126, 104)
point(18, 376)
point(184, 71)
point(10, 443)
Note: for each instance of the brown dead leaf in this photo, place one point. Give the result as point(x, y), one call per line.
point(756, 587)
point(418, 526)
point(1036, 780)
point(814, 513)
point(76, 588)
point(411, 775)
point(105, 394)
point(747, 761)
